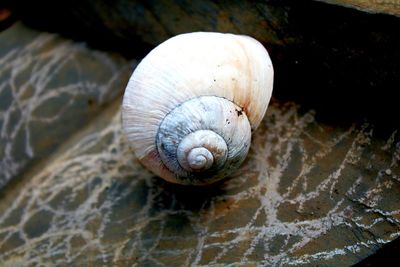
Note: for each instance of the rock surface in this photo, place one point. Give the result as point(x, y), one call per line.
point(122, 23)
point(374, 6)
point(49, 88)
point(308, 193)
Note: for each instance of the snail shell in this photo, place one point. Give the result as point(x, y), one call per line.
point(191, 105)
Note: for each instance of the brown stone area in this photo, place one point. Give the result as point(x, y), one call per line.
point(374, 6)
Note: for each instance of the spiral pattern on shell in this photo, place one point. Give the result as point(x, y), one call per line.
point(205, 131)
point(191, 104)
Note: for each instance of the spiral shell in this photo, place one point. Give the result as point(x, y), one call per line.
point(191, 104)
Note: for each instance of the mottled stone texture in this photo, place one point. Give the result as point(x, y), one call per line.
point(374, 6)
point(49, 88)
point(308, 193)
point(123, 22)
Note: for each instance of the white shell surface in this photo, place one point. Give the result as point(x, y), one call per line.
point(210, 122)
point(187, 66)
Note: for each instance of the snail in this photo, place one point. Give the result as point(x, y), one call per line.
point(191, 105)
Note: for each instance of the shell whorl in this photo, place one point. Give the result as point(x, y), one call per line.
point(199, 150)
point(204, 139)
point(191, 97)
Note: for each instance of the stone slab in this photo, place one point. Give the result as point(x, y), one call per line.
point(308, 194)
point(50, 87)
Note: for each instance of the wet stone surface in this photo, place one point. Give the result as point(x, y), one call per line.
point(49, 89)
point(308, 193)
